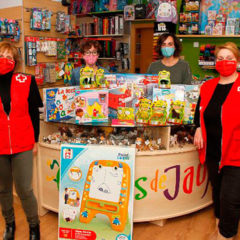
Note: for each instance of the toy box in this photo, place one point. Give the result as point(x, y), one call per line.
point(91, 106)
point(168, 96)
point(96, 192)
point(59, 103)
point(191, 96)
point(131, 88)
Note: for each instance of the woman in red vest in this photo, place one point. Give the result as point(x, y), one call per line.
point(217, 138)
point(19, 131)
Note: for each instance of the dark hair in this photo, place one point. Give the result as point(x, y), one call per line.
point(86, 45)
point(177, 44)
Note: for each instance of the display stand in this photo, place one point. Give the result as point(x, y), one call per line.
point(168, 183)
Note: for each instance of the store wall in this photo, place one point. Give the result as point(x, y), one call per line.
point(10, 3)
point(191, 53)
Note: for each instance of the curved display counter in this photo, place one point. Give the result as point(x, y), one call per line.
point(168, 183)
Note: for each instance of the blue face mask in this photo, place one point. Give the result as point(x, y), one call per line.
point(167, 51)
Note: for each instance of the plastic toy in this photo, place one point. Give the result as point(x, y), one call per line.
point(109, 199)
point(164, 80)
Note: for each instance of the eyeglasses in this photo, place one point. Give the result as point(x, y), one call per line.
point(91, 53)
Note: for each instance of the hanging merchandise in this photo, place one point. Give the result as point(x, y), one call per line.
point(51, 47)
point(36, 19)
point(46, 20)
point(59, 68)
point(49, 73)
point(9, 28)
point(60, 22)
point(61, 51)
point(68, 69)
point(31, 51)
point(40, 19)
point(166, 11)
point(39, 73)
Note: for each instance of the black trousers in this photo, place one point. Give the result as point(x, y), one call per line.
point(226, 196)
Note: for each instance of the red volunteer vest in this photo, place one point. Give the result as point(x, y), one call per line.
point(230, 118)
point(16, 130)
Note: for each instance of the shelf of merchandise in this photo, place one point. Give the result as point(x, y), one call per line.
point(207, 36)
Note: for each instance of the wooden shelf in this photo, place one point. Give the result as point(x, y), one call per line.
point(207, 36)
point(106, 58)
point(106, 35)
point(144, 20)
point(106, 12)
point(208, 67)
point(99, 13)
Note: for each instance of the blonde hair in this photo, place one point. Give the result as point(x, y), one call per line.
point(231, 47)
point(9, 47)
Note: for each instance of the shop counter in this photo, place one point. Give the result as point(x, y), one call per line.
point(168, 183)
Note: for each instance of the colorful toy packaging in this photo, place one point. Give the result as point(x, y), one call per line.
point(91, 106)
point(59, 103)
point(40, 19)
point(9, 28)
point(96, 192)
point(159, 113)
point(190, 97)
point(92, 80)
point(144, 111)
point(189, 17)
point(219, 17)
point(125, 117)
point(168, 98)
point(176, 112)
point(129, 13)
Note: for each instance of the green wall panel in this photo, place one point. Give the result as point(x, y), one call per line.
point(191, 54)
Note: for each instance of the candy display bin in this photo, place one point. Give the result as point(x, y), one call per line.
point(168, 183)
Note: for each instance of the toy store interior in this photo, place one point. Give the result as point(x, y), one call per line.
point(120, 82)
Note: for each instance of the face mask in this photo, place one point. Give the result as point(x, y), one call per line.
point(167, 51)
point(90, 60)
point(6, 65)
point(226, 67)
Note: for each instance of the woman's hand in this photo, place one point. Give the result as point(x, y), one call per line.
point(198, 139)
point(35, 148)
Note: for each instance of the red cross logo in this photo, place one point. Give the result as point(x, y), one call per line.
point(21, 78)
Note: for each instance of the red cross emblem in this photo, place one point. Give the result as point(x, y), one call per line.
point(21, 78)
